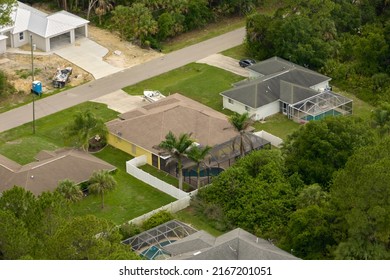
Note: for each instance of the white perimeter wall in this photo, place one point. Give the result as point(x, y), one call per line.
point(132, 169)
point(183, 198)
point(275, 141)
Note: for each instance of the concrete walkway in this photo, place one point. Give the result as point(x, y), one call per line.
point(88, 55)
point(226, 63)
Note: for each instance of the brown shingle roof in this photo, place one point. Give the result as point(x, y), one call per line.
point(44, 175)
point(175, 113)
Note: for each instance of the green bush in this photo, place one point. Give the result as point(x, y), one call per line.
point(157, 219)
point(129, 230)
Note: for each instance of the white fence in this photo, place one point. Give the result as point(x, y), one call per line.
point(132, 169)
point(275, 141)
point(172, 207)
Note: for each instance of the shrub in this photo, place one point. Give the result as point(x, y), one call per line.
point(157, 219)
point(129, 230)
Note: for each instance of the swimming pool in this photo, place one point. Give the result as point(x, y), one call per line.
point(156, 251)
point(213, 171)
point(322, 115)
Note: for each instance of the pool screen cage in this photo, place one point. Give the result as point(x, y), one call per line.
point(165, 233)
point(324, 104)
point(221, 156)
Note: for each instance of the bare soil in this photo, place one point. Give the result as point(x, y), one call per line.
point(18, 66)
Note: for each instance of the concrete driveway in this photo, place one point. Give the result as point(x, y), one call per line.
point(226, 63)
point(121, 102)
point(88, 55)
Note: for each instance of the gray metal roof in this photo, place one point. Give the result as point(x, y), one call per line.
point(264, 90)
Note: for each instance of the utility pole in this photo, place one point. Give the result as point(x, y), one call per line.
point(32, 82)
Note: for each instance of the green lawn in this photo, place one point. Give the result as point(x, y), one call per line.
point(360, 108)
point(21, 145)
point(220, 27)
point(200, 82)
point(278, 125)
point(199, 222)
point(130, 199)
point(238, 52)
point(163, 176)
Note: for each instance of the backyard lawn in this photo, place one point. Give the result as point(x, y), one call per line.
point(21, 145)
point(200, 82)
point(130, 199)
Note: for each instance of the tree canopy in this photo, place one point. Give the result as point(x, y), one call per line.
point(253, 194)
point(319, 148)
point(42, 228)
point(360, 200)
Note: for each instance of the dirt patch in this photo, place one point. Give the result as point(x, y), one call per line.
point(18, 66)
point(18, 70)
point(121, 53)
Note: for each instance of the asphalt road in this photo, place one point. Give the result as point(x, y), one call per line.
point(108, 84)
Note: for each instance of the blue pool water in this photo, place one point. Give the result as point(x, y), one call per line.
point(155, 250)
point(321, 116)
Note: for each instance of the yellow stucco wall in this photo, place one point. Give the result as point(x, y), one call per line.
point(129, 147)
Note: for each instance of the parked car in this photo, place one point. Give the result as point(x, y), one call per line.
point(246, 62)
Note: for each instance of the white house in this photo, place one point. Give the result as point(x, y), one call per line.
point(47, 31)
point(279, 86)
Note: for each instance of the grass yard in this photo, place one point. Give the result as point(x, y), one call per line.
point(278, 125)
point(21, 145)
point(238, 52)
point(220, 27)
point(163, 176)
point(189, 216)
point(200, 82)
point(130, 199)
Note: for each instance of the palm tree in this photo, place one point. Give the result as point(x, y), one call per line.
point(197, 154)
point(177, 148)
point(102, 7)
point(69, 190)
point(84, 126)
point(241, 123)
point(101, 182)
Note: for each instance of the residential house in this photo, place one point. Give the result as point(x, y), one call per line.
point(50, 168)
point(279, 86)
point(47, 31)
point(175, 240)
point(140, 131)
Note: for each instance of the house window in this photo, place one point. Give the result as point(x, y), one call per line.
point(21, 36)
point(230, 101)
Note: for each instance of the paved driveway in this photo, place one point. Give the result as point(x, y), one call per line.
point(226, 63)
point(88, 55)
point(121, 102)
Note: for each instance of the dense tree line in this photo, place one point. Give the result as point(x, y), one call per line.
point(43, 228)
point(149, 22)
point(323, 196)
point(347, 40)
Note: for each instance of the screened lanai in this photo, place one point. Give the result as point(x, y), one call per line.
point(150, 243)
point(220, 157)
point(319, 106)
